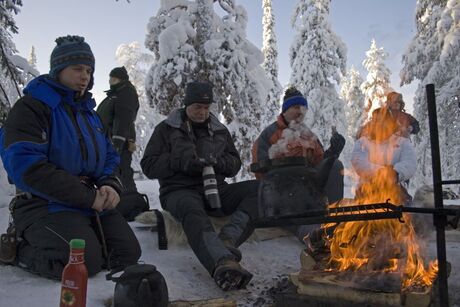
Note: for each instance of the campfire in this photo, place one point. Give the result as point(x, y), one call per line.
point(379, 259)
point(380, 246)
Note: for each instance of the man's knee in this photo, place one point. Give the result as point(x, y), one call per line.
point(186, 206)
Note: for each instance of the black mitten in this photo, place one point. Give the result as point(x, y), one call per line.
point(337, 144)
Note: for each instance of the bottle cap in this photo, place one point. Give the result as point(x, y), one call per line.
point(77, 243)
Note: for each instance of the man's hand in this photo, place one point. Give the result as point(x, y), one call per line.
point(111, 197)
point(295, 150)
point(99, 201)
point(106, 198)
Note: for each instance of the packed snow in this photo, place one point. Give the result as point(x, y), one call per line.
point(268, 260)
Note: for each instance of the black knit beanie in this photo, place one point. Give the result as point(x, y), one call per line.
point(120, 73)
point(198, 92)
point(71, 50)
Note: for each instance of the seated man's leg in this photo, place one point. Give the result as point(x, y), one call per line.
point(187, 206)
point(334, 185)
point(122, 245)
point(239, 200)
point(43, 252)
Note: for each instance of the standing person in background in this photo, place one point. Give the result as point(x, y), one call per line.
point(64, 167)
point(118, 112)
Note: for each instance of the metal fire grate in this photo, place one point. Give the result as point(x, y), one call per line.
point(366, 212)
point(334, 215)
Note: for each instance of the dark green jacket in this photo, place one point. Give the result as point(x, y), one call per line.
point(118, 112)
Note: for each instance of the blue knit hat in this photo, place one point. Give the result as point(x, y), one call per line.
point(70, 50)
point(293, 97)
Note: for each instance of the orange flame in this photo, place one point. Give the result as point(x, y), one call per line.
point(380, 245)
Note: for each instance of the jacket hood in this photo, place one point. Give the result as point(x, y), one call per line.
point(52, 93)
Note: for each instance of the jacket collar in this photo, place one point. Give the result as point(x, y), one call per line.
point(116, 87)
point(175, 120)
point(52, 93)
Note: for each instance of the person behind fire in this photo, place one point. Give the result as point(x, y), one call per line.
point(55, 151)
point(293, 112)
point(383, 151)
point(407, 123)
point(181, 147)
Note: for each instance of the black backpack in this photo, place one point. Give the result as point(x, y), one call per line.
point(132, 204)
point(140, 285)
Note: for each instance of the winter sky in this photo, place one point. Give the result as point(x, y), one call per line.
point(107, 24)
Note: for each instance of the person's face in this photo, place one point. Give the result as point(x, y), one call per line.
point(395, 106)
point(114, 80)
point(198, 112)
point(295, 113)
point(76, 77)
point(395, 102)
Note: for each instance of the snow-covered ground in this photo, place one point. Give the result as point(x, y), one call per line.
point(185, 276)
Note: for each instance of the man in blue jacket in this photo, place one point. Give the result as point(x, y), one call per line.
point(55, 151)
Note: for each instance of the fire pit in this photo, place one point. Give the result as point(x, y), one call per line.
point(373, 257)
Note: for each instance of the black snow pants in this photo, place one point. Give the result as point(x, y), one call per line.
point(43, 252)
point(132, 202)
point(334, 192)
point(188, 206)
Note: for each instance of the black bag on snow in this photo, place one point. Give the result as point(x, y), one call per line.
point(140, 285)
point(132, 204)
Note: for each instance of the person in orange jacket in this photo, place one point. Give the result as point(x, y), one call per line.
point(289, 137)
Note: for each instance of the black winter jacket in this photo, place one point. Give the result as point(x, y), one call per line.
point(173, 141)
point(118, 112)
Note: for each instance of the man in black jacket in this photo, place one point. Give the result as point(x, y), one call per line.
point(118, 112)
point(181, 147)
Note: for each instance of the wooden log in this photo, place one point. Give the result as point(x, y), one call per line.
point(216, 302)
point(330, 287)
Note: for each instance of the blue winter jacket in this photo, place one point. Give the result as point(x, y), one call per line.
point(54, 148)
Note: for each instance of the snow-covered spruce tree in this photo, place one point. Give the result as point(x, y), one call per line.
point(432, 57)
point(171, 37)
point(270, 64)
point(351, 93)
point(32, 60)
point(12, 70)
point(137, 64)
point(11, 76)
point(445, 76)
point(236, 71)
point(377, 83)
point(318, 60)
point(231, 63)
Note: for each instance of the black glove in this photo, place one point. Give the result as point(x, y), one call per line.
point(337, 144)
point(194, 166)
point(118, 144)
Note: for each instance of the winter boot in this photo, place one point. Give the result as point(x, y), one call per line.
point(231, 247)
point(230, 275)
point(8, 245)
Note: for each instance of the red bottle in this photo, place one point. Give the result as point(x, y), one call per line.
point(74, 277)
